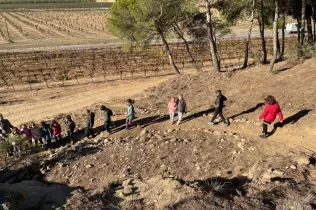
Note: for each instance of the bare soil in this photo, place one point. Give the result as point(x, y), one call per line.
point(156, 165)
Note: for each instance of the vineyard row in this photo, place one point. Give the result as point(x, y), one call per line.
point(37, 67)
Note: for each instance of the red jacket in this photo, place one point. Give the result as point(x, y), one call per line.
point(270, 112)
point(56, 130)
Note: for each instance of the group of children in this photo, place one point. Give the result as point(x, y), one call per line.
point(37, 133)
point(52, 130)
point(272, 109)
point(108, 123)
point(177, 105)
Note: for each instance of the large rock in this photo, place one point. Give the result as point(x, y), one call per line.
point(303, 160)
point(34, 195)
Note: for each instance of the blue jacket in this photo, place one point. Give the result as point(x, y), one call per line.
point(46, 133)
point(131, 112)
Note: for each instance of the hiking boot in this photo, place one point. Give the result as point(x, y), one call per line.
point(225, 124)
point(211, 123)
point(264, 136)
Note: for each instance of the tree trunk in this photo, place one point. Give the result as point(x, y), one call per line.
point(278, 47)
point(210, 36)
point(275, 35)
point(283, 35)
point(262, 26)
point(180, 34)
point(171, 61)
point(303, 23)
point(249, 35)
point(299, 24)
point(314, 21)
point(309, 29)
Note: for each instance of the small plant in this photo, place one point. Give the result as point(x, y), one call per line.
point(16, 144)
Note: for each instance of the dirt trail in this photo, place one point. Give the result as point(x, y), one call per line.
point(41, 104)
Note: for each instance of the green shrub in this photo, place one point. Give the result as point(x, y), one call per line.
point(20, 142)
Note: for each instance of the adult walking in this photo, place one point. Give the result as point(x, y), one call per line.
point(271, 110)
point(5, 126)
point(219, 105)
point(107, 118)
point(90, 124)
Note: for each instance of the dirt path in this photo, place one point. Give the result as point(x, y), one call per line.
point(37, 105)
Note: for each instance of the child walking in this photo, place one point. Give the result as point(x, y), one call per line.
point(47, 134)
point(172, 108)
point(26, 132)
point(130, 113)
point(56, 129)
point(181, 106)
point(37, 134)
point(107, 119)
point(219, 105)
point(90, 123)
point(70, 128)
point(271, 110)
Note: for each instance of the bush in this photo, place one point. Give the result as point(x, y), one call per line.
point(20, 142)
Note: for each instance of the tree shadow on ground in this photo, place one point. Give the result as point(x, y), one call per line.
point(26, 187)
point(253, 109)
point(220, 187)
point(290, 120)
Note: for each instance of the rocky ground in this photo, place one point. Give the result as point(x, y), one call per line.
point(157, 165)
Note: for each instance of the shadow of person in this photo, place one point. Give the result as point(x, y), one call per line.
point(144, 122)
point(253, 109)
point(198, 114)
point(290, 120)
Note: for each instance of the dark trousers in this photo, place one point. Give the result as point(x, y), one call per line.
point(129, 121)
point(57, 138)
point(107, 127)
point(49, 143)
point(218, 111)
point(265, 127)
point(89, 132)
point(38, 140)
point(70, 135)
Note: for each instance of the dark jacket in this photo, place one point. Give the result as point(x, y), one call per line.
point(6, 125)
point(107, 116)
point(182, 106)
point(90, 120)
point(70, 126)
point(36, 133)
point(219, 103)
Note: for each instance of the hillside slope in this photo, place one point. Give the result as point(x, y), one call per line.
point(293, 88)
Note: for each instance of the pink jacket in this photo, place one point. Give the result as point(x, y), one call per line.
point(172, 106)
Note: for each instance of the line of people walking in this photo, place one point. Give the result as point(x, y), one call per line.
point(46, 132)
point(271, 111)
point(52, 130)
